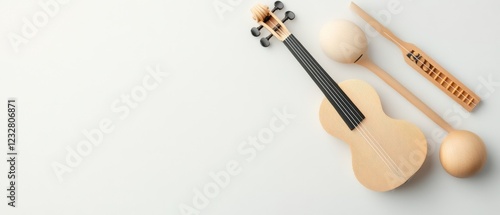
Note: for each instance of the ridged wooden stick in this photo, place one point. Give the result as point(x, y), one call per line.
point(425, 65)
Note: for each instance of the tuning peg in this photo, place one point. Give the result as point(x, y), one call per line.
point(289, 15)
point(256, 31)
point(278, 5)
point(265, 41)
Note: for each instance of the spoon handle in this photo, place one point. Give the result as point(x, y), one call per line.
point(364, 61)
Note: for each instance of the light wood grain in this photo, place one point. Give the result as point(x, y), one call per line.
point(462, 153)
point(366, 62)
point(401, 143)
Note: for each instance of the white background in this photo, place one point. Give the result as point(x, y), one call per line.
point(222, 89)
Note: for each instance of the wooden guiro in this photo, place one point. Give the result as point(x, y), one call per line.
point(462, 153)
point(425, 65)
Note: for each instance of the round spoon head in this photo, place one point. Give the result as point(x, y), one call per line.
point(343, 41)
point(462, 153)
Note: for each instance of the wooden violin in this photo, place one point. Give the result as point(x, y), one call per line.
point(385, 152)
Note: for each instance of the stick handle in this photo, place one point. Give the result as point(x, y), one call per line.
point(364, 61)
point(377, 25)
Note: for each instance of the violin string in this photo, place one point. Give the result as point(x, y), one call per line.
point(365, 133)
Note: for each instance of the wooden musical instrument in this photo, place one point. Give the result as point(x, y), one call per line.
point(425, 65)
point(462, 153)
point(385, 152)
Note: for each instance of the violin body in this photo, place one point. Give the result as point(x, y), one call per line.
point(385, 152)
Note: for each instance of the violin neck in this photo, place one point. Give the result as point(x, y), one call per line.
point(351, 115)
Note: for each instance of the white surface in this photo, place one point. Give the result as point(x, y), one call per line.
point(222, 89)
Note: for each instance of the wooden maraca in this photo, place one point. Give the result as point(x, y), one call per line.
point(462, 153)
